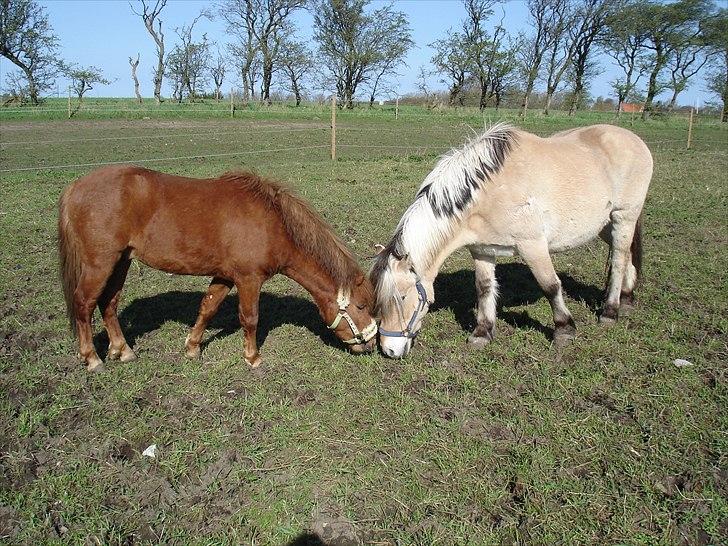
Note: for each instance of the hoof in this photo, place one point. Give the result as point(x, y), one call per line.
point(127, 355)
point(113, 354)
point(96, 366)
point(626, 307)
point(564, 333)
point(606, 320)
point(256, 362)
point(193, 353)
point(478, 342)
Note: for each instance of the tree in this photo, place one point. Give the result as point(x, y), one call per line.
point(296, 63)
point(664, 26)
point(187, 62)
point(393, 49)
point(134, 64)
point(482, 50)
point(262, 26)
point(451, 59)
point(27, 41)
point(358, 46)
point(591, 17)
point(561, 46)
point(83, 80)
point(624, 40)
point(150, 16)
point(542, 18)
point(690, 53)
point(716, 36)
point(218, 70)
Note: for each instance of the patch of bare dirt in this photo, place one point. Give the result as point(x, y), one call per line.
point(335, 530)
point(480, 429)
point(9, 522)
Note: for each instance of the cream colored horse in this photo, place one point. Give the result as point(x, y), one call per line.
point(510, 192)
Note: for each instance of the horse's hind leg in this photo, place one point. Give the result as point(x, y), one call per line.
point(622, 274)
point(91, 284)
point(108, 305)
point(249, 295)
point(486, 288)
point(218, 289)
point(629, 281)
point(536, 255)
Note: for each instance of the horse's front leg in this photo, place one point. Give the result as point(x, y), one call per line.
point(218, 289)
point(536, 255)
point(486, 288)
point(249, 295)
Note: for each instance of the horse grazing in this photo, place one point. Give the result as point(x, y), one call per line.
point(240, 229)
point(508, 192)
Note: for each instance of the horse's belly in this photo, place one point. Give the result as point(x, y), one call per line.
point(572, 235)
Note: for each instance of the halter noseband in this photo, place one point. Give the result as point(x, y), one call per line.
point(421, 304)
point(359, 336)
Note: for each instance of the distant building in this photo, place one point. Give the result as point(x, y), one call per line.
point(630, 107)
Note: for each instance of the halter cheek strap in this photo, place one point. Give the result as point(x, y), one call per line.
point(421, 304)
point(359, 336)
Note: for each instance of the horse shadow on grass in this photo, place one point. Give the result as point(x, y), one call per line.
point(517, 286)
point(144, 315)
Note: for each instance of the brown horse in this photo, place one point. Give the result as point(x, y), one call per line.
point(240, 229)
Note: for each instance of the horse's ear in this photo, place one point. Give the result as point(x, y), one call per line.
point(379, 248)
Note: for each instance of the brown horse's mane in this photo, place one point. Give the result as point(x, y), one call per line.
point(310, 233)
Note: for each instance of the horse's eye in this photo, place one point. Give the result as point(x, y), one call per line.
point(403, 297)
point(361, 307)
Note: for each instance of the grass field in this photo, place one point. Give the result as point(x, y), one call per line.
point(602, 442)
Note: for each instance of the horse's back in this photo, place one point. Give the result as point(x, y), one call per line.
point(172, 223)
point(566, 187)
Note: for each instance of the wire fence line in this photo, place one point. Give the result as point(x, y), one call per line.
point(415, 148)
point(213, 135)
point(162, 159)
point(145, 137)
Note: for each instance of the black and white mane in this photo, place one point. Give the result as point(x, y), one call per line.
point(446, 193)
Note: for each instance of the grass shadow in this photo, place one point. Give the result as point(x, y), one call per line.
point(307, 539)
point(517, 287)
point(145, 315)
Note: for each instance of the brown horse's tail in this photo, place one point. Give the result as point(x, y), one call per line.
point(70, 261)
point(636, 247)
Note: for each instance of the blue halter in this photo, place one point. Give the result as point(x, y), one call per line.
point(421, 304)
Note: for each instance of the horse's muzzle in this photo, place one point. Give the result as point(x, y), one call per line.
point(366, 347)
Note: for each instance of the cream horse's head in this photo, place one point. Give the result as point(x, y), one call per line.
point(403, 299)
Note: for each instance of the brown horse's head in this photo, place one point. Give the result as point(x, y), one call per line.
point(354, 323)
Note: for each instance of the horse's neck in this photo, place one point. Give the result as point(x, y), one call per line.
point(309, 274)
point(429, 269)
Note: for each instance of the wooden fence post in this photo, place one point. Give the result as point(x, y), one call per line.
point(690, 129)
point(396, 109)
point(69, 102)
point(232, 105)
point(333, 127)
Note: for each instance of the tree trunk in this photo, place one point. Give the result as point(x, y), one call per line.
point(576, 97)
point(547, 106)
point(32, 87)
point(134, 65)
point(267, 78)
point(483, 103)
point(651, 89)
point(524, 104)
point(673, 101)
point(297, 93)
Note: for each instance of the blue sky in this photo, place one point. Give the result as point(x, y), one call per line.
point(104, 33)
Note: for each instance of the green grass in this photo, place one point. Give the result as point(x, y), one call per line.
point(602, 442)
